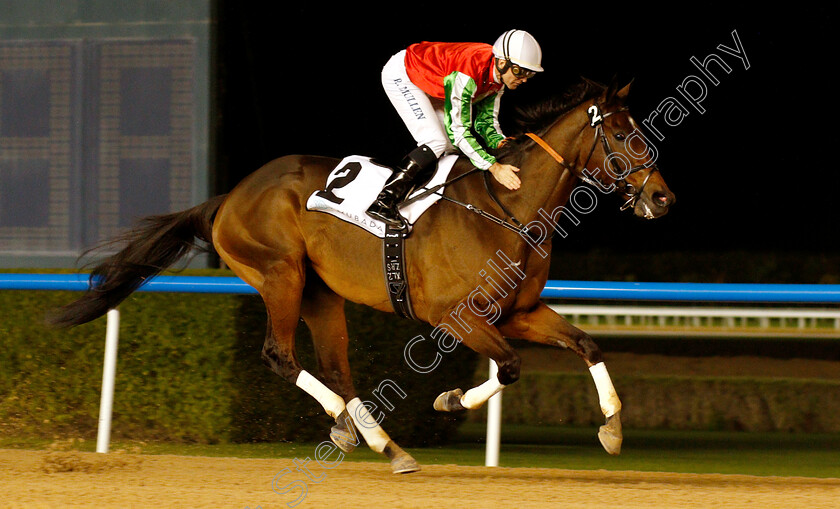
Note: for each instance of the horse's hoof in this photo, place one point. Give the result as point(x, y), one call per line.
point(401, 461)
point(610, 434)
point(449, 401)
point(345, 438)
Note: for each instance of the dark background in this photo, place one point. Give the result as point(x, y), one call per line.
point(756, 172)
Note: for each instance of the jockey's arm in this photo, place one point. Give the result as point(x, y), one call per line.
point(486, 122)
point(458, 107)
point(460, 90)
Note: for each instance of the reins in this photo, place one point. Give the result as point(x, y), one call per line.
point(433, 190)
point(596, 121)
point(517, 226)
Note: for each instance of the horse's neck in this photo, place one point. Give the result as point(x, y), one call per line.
point(546, 184)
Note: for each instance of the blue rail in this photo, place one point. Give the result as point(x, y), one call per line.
point(166, 284)
point(692, 292)
point(554, 289)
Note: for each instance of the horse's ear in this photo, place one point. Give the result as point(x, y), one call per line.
point(593, 83)
point(622, 94)
point(612, 89)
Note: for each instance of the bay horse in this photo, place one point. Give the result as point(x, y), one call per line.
point(305, 264)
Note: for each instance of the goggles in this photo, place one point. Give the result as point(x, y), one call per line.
point(521, 72)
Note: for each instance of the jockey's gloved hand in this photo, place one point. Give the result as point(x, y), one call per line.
point(505, 174)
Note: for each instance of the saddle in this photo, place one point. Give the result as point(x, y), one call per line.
point(356, 181)
point(350, 189)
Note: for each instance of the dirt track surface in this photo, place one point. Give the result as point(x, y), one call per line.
point(37, 479)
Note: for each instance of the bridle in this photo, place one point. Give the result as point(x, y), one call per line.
point(596, 121)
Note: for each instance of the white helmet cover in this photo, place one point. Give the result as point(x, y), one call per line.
point(520, 48)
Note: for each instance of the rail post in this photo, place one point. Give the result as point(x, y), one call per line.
point(109, 371)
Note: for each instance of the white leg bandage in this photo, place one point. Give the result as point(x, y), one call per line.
point(332, 402)
point(374, 435)
point(477, 396)
point(610, 404)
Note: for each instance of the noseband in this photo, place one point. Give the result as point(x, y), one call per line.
point(596, 121)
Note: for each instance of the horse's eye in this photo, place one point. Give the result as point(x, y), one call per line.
point(620, 136)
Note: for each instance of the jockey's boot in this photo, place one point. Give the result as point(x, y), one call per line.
point(384, 208)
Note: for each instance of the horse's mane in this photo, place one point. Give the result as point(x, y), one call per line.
point(538, 116)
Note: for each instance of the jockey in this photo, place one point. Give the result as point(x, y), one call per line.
point(447, 94)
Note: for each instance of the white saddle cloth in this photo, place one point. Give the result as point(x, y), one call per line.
point(356, 182)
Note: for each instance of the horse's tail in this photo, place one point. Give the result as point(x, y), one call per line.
point(156, 243)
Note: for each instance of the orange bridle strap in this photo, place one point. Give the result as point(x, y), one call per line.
point(553, 153)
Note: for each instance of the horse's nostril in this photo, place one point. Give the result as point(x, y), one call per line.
point(661, 199)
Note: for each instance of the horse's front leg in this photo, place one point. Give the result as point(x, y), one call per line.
point(542, 325)
point(485, 339)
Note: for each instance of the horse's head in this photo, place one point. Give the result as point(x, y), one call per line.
point(619, 157)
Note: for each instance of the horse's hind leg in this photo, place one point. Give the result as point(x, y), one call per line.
point(543, 325)
point(323, 311)
point(318, 310)
point(281, 292)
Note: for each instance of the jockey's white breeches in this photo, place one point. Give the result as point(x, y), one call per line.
point(422, 115)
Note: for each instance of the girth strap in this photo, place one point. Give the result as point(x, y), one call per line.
point(393, 254)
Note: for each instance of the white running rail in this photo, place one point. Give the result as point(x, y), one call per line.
point(658, 320)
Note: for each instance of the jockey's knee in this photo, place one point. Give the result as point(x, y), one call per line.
point(509, 370)
point(437, 144)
